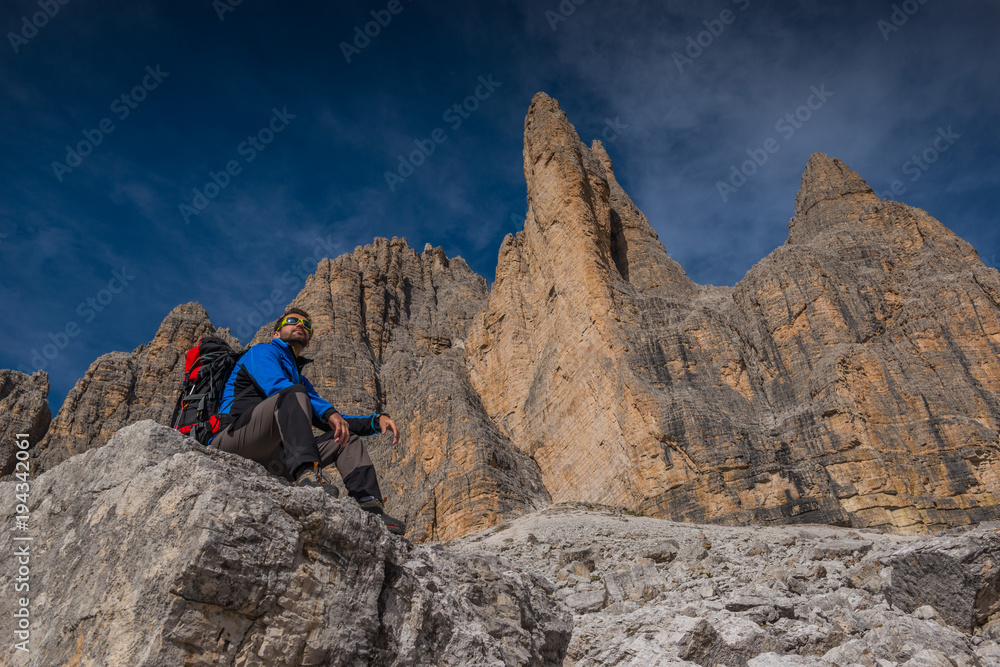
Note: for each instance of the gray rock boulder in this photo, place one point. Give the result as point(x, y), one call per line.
point(153, 550)
point(813, 596)
point(957, 576)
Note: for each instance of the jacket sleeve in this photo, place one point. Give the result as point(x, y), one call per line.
point(366, 425)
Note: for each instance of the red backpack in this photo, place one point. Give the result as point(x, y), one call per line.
point(207, 366)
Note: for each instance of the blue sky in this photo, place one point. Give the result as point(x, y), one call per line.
point(155, 100)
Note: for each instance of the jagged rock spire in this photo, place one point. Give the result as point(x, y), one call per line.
point(831, 195)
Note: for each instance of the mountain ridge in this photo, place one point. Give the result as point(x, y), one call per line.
point(850, 378)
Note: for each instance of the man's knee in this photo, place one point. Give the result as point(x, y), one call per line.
point(295, 393)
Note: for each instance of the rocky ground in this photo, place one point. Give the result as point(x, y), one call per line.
point(155, 551)
point(652, 592)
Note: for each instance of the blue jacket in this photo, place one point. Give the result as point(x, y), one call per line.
point(266, 369)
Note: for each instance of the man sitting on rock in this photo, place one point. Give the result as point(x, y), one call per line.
point(272, 408)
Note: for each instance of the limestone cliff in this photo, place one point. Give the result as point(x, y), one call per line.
point(23, 410)
point(390, 336)
point(851, 377)
point(121, 388)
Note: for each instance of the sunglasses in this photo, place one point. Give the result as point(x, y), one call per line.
point(295, 320)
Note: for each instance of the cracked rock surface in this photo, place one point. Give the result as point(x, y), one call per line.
point(646, 591)
point(153, 550)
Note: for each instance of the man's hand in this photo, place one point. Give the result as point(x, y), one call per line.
point(340, 429)
point(385, 423)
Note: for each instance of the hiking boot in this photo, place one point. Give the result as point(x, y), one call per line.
point(314, 477)
point(374, 505)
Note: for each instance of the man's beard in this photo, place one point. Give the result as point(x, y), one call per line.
point(295, 337)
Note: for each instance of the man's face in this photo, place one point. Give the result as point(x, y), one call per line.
point(294, 333)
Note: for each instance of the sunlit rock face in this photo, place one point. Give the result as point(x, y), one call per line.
point(849, 378)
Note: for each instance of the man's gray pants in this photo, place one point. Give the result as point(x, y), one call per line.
point(278, 434)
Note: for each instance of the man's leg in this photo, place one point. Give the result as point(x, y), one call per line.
point(355, 467)
point(277, 433)
point(257, 437)
point(353, 463)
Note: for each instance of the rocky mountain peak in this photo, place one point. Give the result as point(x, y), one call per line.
point(831, 195)
point(631, 386)
point(120, 388)
point(851, 377)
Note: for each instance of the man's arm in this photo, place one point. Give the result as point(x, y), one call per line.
point(331, 419)
point(372, 424)
point(364, 425)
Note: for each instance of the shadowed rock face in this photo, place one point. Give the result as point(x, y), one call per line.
point(23, 410)
point(849, 378)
